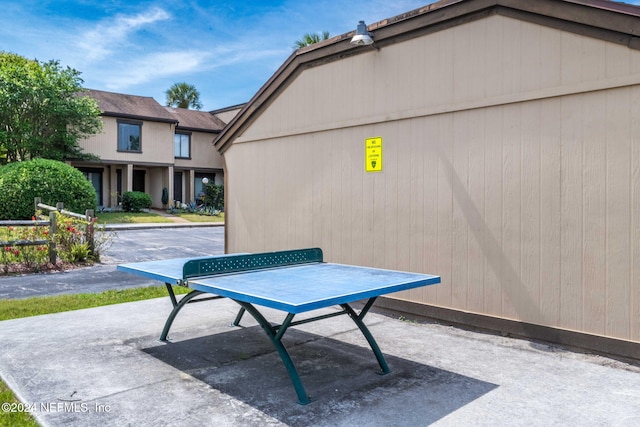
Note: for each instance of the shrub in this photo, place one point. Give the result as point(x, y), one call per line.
point(214, 196)
point(135, 201)
point(71, 239)
point(51, 180)
point(165, 196)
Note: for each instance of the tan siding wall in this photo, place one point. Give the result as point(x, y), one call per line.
point(493, 61)
point(157, 143)
point(529, 210)
point(203, 153)
point(226, 116)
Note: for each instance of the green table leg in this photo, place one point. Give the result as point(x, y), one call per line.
point(367, 334)
point(275, 335)
point(177, 306)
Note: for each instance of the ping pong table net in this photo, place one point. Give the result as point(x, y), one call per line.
point(247, 262)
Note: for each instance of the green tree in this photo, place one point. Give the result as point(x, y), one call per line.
point(311, 38)
point(183, 95)
point(42, 111)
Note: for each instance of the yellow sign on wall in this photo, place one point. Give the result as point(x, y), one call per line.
point(373, 154)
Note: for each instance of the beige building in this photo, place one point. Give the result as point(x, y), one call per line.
point(147, 147)
point(510, 163)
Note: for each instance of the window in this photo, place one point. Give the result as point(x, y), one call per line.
point(182, 145)
point(129, 133)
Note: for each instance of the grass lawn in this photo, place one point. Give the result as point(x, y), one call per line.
point(18, 308)
point(130, 217)
point(13, 418)
point(201, 218)
point(146, 217)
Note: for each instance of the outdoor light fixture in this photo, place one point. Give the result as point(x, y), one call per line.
point(205, 180)
point(362, 37)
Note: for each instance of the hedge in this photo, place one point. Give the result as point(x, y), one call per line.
point(51, 180)
point(135, 201)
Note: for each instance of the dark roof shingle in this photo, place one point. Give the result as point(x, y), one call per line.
point(130, 106)
point(201, 121)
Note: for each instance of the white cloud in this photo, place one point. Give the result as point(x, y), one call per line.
point(152, 67)
point(111, 33)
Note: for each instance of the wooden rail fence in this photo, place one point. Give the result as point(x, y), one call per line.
point(51, 223)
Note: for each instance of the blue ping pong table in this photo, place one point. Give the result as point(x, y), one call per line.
point(295, 282)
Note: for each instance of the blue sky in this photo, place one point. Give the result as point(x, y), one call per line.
point(226, 49)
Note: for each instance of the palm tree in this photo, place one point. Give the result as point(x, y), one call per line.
point(311, 38)
point(183, 95)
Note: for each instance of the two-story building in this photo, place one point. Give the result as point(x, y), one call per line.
point(147, 147)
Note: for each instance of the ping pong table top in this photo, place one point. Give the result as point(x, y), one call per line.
point(293, 289)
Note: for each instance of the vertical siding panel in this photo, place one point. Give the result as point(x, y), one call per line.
point(302, 158)
point(475, 212)
point(511, 45)
point(634, 299)
point(593, 55)
point(417, 149)
point(618, 211)
point(322, 194)
point(494, 63)
point(347, 193)
point(250, 222)
point(445, 213)
point(530, 57)
point(571, 213)
point(530, 212)
point(460, 188)
point(355, 175)
point(594, 247)
point(285, 175)
point(511, 217)
point(431, 139)
point(278, 233)
point(443, 84)
point(407, 193)
point(493, 212)
point(550, 73)
point(571, 58)
point(390, 147)
point(469, 56)
point(257, 225)
point(414, 155)
point(254, 225)
point(337, 191)
point(550, 211)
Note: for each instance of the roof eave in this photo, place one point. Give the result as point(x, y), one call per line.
point(193, 129)
point(137, 117)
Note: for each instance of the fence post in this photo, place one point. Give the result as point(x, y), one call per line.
point(53, 256)
point(90, 238)
point(59, 206)
point(36, 201)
